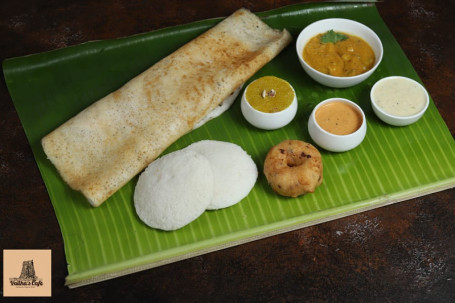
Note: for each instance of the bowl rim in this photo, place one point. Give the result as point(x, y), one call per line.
point(244, 99)
point(372, 69)
point(335, 99)
point(401, 118)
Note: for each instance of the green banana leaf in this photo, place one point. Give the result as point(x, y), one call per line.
point(392, 164)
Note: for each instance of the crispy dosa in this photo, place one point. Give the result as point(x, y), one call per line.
point(111, 141)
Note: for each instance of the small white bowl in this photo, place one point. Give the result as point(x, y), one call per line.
point(268, 121)
point(399, 120)
point(339, 25)
point(332, 142)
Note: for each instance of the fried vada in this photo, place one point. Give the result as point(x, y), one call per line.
point(293, 168)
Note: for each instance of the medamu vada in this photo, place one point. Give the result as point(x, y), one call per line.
point(293, 168)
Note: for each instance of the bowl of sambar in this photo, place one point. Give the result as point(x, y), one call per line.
point(339, 52)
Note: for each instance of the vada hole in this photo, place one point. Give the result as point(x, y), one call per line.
point(293, 160)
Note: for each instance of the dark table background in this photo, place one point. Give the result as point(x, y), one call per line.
point(400, 253)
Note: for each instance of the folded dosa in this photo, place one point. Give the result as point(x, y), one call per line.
point(107, 144)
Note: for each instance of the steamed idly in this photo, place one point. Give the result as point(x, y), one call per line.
point(174, 190)
point(234, 172)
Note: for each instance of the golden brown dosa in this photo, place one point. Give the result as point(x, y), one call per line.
point(111, 141)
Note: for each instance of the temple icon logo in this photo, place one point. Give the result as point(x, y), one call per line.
point(28, 277)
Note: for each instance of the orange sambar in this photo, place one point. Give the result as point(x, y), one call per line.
point(339, 118)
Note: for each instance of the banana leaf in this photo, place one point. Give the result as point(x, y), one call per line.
point(392, 164)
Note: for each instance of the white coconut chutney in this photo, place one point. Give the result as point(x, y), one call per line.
point(399, 96)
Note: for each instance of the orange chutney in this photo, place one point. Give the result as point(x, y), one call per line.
point(339, 118)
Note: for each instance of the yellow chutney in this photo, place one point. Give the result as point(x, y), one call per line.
point(339, 118)
point(270, 94)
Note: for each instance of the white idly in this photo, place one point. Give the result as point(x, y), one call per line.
point(234, 171)
point(174, 190)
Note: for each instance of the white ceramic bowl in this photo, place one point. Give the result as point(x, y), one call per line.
point(339, 25)
point(268, 121)
point(332, 142)
point(394, 119)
